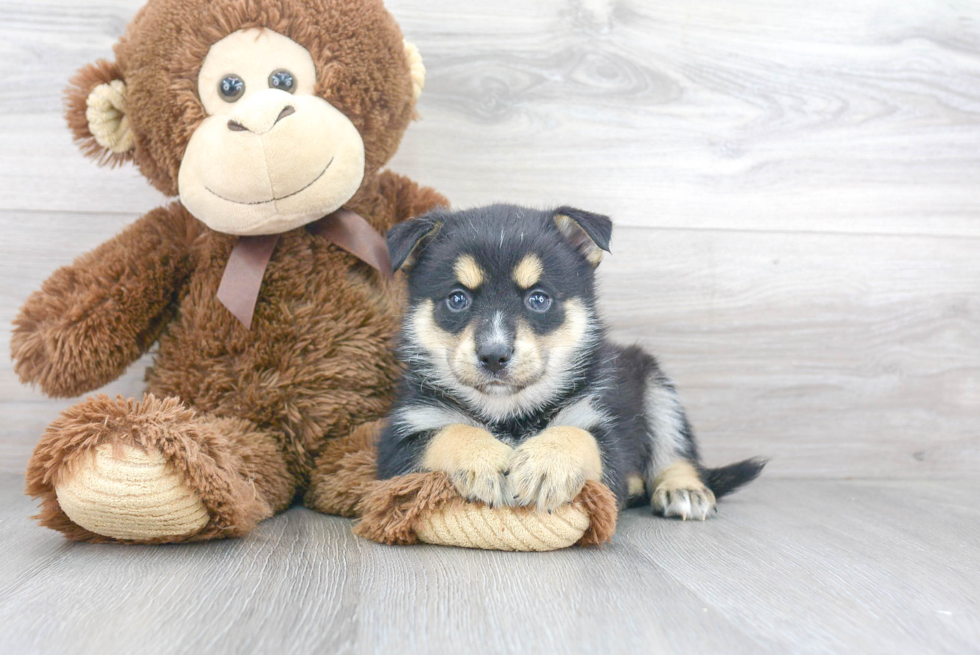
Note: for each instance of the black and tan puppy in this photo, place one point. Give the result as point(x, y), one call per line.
point(511, 388)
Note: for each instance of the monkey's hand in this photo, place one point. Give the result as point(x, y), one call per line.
point(94, 318)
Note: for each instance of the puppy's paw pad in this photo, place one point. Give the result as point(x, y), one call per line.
point(696, 503)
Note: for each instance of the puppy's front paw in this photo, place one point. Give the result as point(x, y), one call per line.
point(550, 469)
point(484, 478)
point(678, 491)
point(473, 459)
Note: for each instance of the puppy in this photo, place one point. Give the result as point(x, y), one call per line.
point(511, 388)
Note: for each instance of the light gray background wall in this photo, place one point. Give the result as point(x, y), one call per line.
point(795, 186)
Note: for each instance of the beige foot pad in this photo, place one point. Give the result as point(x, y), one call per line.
point(130, 495)
point(426, 507)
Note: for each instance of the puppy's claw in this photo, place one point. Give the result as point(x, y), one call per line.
point(541, 484)
point(695, 501)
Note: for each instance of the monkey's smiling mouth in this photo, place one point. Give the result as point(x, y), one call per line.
point(274, 199)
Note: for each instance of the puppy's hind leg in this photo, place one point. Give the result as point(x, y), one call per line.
point(678, 491)
point(672, 473)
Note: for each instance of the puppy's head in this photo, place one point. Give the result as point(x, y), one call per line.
point(501, 301)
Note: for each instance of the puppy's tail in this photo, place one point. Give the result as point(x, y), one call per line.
point(726, 479)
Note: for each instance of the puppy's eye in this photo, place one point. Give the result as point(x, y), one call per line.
point(231, 88)
point(538, 301)
point(283, 80)
point(457, 301)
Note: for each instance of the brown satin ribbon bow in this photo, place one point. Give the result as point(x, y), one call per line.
point(242, 279)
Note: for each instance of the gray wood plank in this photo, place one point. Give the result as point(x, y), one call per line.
point(869, 567)
point(785, 566)
point(769, 115)
point(840, 116)
point(835, 355)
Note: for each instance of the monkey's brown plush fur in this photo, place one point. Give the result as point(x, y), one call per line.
point(246, 417)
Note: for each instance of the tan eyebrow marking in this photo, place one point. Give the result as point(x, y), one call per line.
point(528, 272)
point(468, 272)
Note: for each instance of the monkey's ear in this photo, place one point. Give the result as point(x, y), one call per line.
point(416, 69)
point(95, 107)
point(405, 238)
point(587, 232)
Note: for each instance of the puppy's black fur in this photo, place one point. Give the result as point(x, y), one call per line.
point(502, 335)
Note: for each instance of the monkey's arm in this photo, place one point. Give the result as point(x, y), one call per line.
point(92, 319)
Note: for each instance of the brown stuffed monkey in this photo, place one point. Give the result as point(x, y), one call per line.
point(264, 117)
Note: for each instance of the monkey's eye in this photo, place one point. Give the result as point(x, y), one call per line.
point(283, 80)
point(458, 300)
point(538, 301)
point(231, 88)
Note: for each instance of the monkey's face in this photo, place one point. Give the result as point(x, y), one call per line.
point(262, 115)
point(271, 154)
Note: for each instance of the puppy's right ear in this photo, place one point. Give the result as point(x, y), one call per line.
point(589, 233)
point(405, 238)
point(95, 107)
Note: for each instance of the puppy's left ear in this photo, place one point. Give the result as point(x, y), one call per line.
point(589, 233)
point(405, 238)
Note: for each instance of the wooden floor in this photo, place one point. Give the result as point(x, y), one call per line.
point(785, 567)
point(795, 191)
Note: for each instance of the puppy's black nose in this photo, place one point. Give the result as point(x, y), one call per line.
point(495, 357)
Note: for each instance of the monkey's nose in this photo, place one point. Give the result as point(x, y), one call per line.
point(236, 126)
